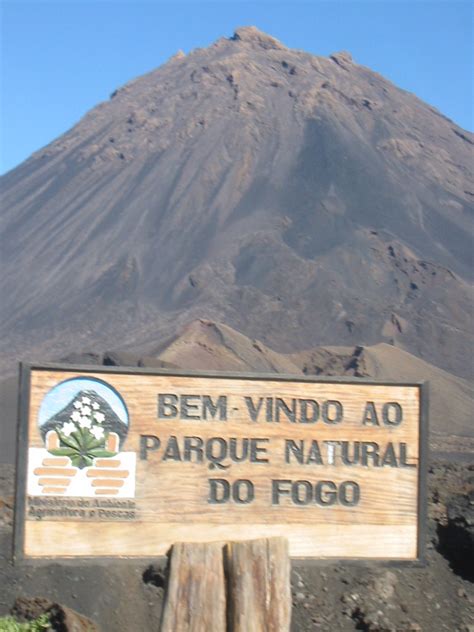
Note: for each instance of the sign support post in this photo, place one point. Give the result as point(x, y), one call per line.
point(195, 597)
point(239, 587)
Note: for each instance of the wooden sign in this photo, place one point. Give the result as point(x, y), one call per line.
point(124, 463)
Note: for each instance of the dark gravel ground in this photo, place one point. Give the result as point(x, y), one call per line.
point(438, 596)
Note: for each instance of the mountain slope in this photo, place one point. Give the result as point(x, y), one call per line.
point(209, 346)
point(302, 200)
point(451, 399)
point(206, 345)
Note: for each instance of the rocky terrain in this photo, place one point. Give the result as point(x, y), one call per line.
point(302, 200)
point(438, 595)
point(249, 207)
point(331, 596)
point(207, 345)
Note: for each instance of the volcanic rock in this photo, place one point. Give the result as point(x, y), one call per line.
point(210, 346)
point(302, 200)
point(213, 346)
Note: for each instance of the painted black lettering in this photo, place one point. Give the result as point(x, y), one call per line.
point(389, 458)
point(370, 415)
point(349, 494)
point(167, 406)
point(290, 412)
point(254, 410)
point(219, 491)
point(309, 411)
point(292, 447)
point(392, 414)
point(193, 445)
point(187, 407)
point(280, 487)
point(325, 493)
point(216, 452)
point(370, 450)
point(332, 412)
point(301, 492)
point(172, 452)
point(269, 408)
point(314, 454)
point(404, 456)
point(233, 451)
point(350, 457)
point(256, 450)
point(243, 491)
point(331, 447)
point(148, 443)
point(210, 409)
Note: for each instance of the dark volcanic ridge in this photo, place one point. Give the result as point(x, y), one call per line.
point(206, 345)
point(304, 201)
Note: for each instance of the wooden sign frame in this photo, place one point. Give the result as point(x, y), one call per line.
point(24, 425)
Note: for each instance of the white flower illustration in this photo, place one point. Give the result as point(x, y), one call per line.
point(85, 422)
point(77, 404)
point(86, 400)
point(68, 428)
point(99, 417)
point(95, 406)
point(86, 411)
point(97, 431)
point(76, 415)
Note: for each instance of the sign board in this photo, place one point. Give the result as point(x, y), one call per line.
point(117, 463)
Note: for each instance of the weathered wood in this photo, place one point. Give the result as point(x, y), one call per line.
point(259, 585)
point(195, 599)
point(173, 484)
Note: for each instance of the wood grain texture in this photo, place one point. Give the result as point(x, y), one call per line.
point(70, 539)
point(259, 585)
point(172, 494)
point(195, 599)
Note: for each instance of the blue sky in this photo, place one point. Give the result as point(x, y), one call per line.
point(62, 394)
point(59, 59)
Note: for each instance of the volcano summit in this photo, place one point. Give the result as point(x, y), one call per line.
point(302, 200)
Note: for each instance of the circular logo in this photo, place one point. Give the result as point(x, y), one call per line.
point(83, 418)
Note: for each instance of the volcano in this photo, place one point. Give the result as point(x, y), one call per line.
point(110, 420)
point(301, 200)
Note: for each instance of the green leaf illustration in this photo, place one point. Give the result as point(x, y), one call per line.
point(77, 437)
point(81, 460)
point(100, 453)
point(63, 451)
point(71, 442)
point(91, 443)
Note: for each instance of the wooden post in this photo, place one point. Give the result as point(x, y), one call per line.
point(195, 599)
point(259, 585)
